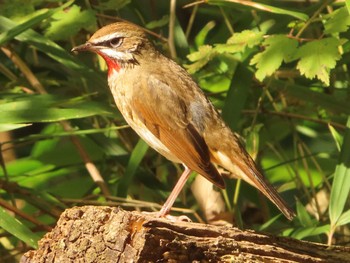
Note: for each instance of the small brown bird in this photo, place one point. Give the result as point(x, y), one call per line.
point(168, 110)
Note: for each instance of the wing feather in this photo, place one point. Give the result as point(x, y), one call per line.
point(166, 116)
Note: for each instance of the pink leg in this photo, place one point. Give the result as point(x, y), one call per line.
point(174, 194)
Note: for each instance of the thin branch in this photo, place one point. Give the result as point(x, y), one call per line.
point(172, 19)
point(190, 22)
point(318, 11)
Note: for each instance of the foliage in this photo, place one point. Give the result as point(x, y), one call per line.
point(277, 71)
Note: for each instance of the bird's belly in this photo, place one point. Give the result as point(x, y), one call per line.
point(152, 140)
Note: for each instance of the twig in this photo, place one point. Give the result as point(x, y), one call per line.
point(190, 22)
point(318, 11)
point(172, 19)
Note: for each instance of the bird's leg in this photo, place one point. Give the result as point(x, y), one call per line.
point(174, 193)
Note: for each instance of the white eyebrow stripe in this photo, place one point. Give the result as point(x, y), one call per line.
point(106, 38)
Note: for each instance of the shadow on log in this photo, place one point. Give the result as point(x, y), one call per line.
point(107, 234)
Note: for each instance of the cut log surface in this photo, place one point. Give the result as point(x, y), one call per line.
point(107, 234)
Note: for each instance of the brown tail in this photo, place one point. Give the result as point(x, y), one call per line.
point(241, 165)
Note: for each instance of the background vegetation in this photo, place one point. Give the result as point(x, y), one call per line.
point(278, 71)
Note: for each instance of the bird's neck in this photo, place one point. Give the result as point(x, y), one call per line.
point(112, 64)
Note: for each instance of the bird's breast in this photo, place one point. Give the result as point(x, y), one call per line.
point(123, 93)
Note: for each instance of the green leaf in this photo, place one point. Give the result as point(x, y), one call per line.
point(317, 58)
point(278, 48)
point(261, 7)
point(237, 96)
point(11, 126)
point(344, 219)
point(200, 58)
point(47, 108)
point(336, 136)
point(238, 42)
point(158, 23)
point(347, 2)
point(341, 183)
point(338, 21)
point(303, 216)
point(202, 35)
point(16, 228)
point(302, 232)
point(51, 49)
point(71, 18)
point(135, 159)
point(13, 32)
point(245, 38)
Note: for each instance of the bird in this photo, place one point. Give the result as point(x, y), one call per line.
point(164, 105)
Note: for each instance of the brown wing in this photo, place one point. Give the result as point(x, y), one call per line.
point(165, 114)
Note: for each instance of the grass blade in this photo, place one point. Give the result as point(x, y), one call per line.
point(135, 159)
point(42, 14)
point(341, 183)
point(16, 228)
point(262, 7)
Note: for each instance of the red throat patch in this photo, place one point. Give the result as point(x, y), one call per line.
point(112, 64)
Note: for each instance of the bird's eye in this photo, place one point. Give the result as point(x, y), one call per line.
point(115, 42)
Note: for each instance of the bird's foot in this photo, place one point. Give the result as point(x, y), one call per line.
point(173, 219)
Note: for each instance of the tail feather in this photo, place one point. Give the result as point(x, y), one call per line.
point(245, 168)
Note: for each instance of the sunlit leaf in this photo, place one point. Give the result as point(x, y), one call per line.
point(247, 38)
point(238, 42)
point(16, 228)
point(47, 108)
point(278, 48)
point(202, 35)
point(200, 58)
point(317, 58)
point(347, 2)
point(11, 126)
point(344, 219)
point(338, 21)
point(74, 19)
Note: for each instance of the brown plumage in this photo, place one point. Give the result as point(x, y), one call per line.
point(162, 103)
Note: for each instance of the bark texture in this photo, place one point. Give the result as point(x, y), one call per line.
point(107, 234)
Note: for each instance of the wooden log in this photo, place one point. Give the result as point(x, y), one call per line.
point(107, 234)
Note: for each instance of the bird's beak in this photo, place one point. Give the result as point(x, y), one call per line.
point(84, 47)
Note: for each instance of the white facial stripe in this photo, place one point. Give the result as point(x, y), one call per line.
point(106, 38)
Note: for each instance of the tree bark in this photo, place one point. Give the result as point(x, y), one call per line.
point(107, 234)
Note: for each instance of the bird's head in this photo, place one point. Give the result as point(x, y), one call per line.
point(119, 44)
